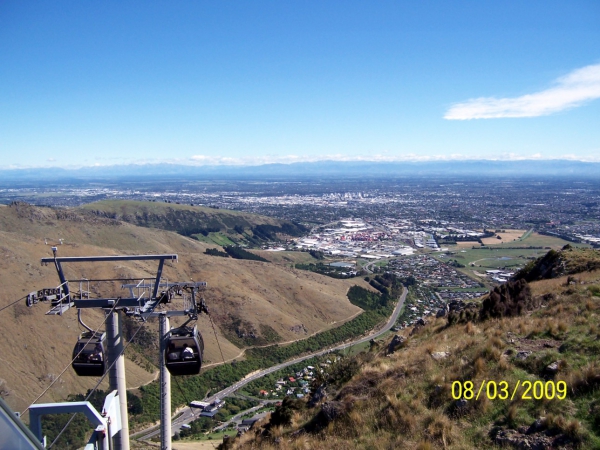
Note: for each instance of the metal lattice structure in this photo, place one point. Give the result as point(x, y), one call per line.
point(142, 300)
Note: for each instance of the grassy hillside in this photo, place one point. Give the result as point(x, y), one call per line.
point(568, 261)
point(510, 254)
point(419, 396)
point(219, 226)
point(242, 296)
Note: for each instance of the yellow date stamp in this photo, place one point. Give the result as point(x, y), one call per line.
point(502, 390)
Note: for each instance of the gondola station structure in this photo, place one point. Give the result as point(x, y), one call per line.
point(98, 352)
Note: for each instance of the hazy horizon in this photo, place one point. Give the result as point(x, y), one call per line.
point(200, 83)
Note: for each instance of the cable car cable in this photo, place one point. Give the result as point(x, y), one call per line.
point(215, 331)
point(184, 396)
point(13, 303)
point(76, 356)
point(97, 384)
point(108, 370)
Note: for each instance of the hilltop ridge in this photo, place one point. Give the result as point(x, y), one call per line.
point(233, 227)
point(37, 347)
point(554, 264)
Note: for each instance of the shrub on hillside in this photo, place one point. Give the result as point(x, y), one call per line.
point(282, 416)
point(507, 300)
point(215, 252)
point(316, 254)
point(269, 232)
point(240, 253)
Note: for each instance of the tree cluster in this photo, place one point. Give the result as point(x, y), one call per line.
point(317, 254)
point(364, 298)
point(219, 377)
point(507, 300)
point(325, 269)
point(269, 232)
point(239, 253)
point(215, 252)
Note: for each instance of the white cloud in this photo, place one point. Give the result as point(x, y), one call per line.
point(205, 160)
point(289, 159)
point(570, 91)
point(592, 155)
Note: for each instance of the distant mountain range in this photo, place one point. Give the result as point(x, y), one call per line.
point(306, 170)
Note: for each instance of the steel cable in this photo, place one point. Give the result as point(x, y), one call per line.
point(216, 337)
point(76, 356)
point(13, 303)
point(97, 384)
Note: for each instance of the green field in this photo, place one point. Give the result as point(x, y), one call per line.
point(539, 240)
point(215, 238)
point(526, 235)
point(497, 257)
point(506, 256)
point(355, 349)
point(217, 437)
point(287, 257)
point(478, 289)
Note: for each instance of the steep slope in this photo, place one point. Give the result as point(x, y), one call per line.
point(242, 295)
point(420, 395)
point(191, 220)
point(568, 261)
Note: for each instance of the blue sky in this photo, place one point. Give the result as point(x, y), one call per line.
point(195, 82)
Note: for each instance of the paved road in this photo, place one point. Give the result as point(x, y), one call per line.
point(190, 414)
point(238, 417)
point(369, 267)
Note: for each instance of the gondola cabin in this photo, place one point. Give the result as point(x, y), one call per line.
point(183, 351)
point(89, 354)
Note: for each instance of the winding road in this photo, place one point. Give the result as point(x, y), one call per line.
point(189, 415)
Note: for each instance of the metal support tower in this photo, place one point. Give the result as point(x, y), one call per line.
point(108, 423)
point(140, 304)
point(116, 376)
point(165, 385)
point(115, 340)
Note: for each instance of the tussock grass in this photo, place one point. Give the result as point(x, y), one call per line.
point(404, 401)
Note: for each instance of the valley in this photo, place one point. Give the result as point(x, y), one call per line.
point(300, 275)
point(291, 299)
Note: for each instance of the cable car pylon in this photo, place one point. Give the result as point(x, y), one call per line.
point(97, 350)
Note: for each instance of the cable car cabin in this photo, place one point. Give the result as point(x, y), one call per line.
point(89, 354)
point(183, 351)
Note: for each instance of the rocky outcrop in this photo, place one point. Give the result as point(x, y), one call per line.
point(507, 300)
point(555, 264)
point(397, 343)
point(418, 325)
point(538, 436)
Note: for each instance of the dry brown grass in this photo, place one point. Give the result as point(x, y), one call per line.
point(36, 347)
point(470, 329)
point(584, 380)
point(467, 244)
point(479, 367)
point(506, 236)
point(405, 401)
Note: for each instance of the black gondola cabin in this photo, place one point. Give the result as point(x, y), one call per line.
point(89, 354)
point(183, 351)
